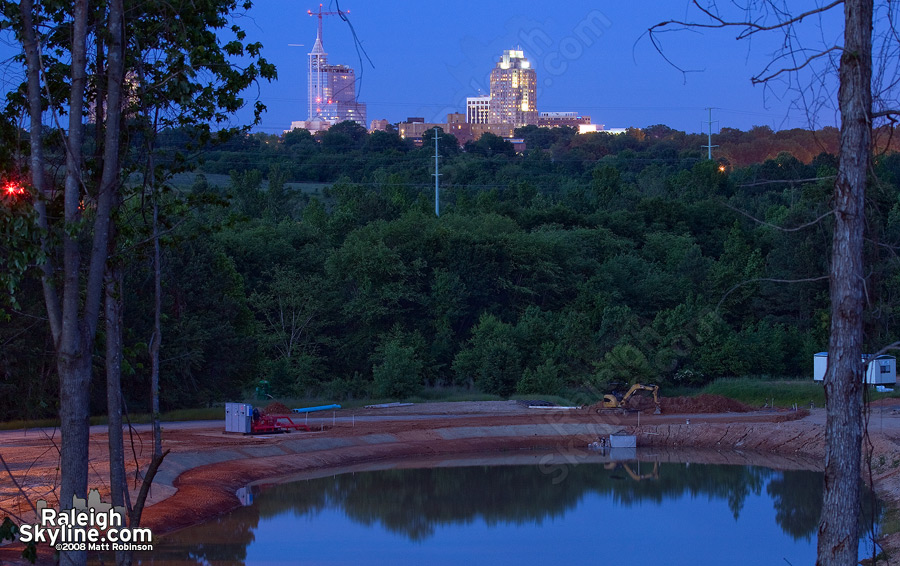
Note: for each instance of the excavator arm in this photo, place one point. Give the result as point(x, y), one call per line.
point(638, 387)
point(611, 401)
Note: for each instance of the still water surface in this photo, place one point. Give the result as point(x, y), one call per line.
point(550, 513)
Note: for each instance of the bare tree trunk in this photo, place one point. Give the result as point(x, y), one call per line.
point(157, 318)
point(115, 299)
point(75, 346)
point(74, 350)
point(838, 529)
point(114, 309)
point(115, 303)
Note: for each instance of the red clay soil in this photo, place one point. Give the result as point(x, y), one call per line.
point(701, 404)
point(276, 408)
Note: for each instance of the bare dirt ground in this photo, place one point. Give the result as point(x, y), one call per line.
point(206, 466)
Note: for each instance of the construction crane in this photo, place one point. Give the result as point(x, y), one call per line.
point(319, 15)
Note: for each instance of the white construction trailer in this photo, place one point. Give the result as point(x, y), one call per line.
point(881, 371)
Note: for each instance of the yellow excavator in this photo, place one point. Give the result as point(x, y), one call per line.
point(620, 401)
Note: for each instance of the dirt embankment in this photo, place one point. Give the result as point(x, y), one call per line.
point(793, 438)
point(206, 465)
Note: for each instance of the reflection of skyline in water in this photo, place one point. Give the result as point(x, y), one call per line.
point(419, 506)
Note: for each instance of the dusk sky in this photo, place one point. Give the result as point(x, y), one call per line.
point(429, 56)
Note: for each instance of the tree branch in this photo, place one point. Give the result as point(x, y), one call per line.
point(138, 509)
point(16, 483)
point(761, 78)
point(149, 239)
point(884, 350)
point(787, 181)
point(768, 280)
point(770, 225)
point(751, 27)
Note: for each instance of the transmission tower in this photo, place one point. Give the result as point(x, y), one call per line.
point(709, 144)
point(437, 187)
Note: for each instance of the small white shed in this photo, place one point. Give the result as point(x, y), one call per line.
point(881, 371)
point(238, 417)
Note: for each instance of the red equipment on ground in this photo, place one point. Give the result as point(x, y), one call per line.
point(269, 424)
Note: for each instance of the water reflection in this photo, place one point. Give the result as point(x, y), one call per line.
point(415, 504)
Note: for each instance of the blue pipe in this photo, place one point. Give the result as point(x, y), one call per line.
point(321, 408)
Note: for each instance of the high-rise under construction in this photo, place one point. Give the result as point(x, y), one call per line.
point(332, 89)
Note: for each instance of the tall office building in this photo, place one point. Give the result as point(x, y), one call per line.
point(332, 91)
point(513, 91)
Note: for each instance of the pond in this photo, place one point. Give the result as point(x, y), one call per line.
point(552, 509)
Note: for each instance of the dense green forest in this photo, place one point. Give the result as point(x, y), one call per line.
point(588, 260)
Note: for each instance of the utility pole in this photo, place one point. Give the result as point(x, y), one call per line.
point(437, 188)
point(709, 144)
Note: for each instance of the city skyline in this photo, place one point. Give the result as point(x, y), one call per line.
point(590, 58)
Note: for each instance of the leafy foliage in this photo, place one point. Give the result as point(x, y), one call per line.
point(9, 531)
point(586, 261)
point(19, 243)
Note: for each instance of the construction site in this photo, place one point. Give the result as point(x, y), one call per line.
point(207, 466)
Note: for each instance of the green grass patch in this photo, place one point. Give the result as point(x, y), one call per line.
point(200, 414)
point(426, 395)
point(784, 392)
point(24, 424)
point(890, 522)
point(186, 180)
point(758, 392)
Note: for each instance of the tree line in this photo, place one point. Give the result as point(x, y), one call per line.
point(536, 279)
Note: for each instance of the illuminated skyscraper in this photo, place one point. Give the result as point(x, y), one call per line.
point(513, 91)
point(318, 60)
point(332, 90)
